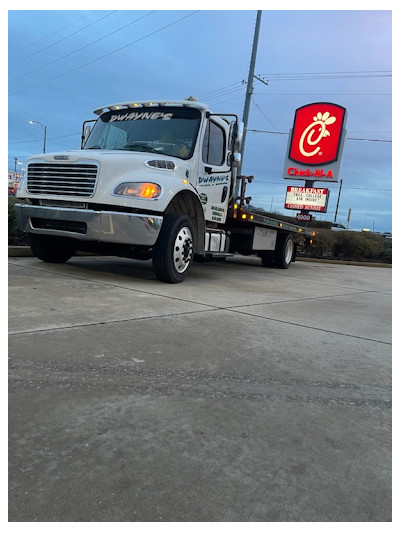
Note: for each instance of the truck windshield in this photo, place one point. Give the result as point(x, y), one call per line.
point(161, 130)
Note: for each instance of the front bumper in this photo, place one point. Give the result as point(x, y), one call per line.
point(87, 225)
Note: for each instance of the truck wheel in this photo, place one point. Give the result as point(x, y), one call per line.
point(52, 249)
point(173, 251)
point(284, 251)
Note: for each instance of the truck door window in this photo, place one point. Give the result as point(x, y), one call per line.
point(214, 144)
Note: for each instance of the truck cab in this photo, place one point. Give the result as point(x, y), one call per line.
point(185, 140)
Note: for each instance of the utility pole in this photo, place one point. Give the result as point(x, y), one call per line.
point(348, 218)
point(250, 87)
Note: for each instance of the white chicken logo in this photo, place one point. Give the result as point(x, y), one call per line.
point(321, 120)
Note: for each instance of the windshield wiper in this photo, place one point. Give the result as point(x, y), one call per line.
point(95, 148)
point(141, 147)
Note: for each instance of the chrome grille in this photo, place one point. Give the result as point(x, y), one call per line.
point(66, 179)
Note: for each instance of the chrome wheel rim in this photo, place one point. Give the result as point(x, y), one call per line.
point(183, 249)
point(289, 251)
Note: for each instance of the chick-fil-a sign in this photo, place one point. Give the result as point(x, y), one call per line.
point(317, 132)
point(316, 142)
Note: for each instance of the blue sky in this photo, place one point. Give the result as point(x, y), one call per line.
point(63, 64)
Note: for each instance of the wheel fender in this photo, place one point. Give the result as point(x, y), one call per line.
point(188, 203)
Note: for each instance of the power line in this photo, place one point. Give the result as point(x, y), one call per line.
point(64, 38)
point(49, 138)
point(106, 55)
point(330, 94)
point(225, 93)
point(333, 185)
point(308, 75)
point(212, 93)
point(51, 34)
point(347, 138)
point(273, 125)
point(329, 75)
point(221, 92)
point(329, 72)
point(371, 140)
point(82, 48)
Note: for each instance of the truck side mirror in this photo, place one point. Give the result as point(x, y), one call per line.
point(239, 137)
point(86, 129)
point(235, 159)
point(235, 136)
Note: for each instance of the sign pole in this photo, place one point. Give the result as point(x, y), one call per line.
point(308, 183)
point(337, 204)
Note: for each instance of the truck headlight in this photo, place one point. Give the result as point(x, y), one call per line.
point(138, 189)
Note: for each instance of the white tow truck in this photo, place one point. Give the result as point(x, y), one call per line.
point(153, 180)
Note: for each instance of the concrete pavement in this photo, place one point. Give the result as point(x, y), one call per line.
point(242, 394)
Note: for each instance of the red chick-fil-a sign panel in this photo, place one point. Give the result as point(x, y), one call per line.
point(317, 131)
point(316, 142)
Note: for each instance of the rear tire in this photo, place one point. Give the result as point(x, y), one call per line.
point(174, 250)
point(52, 249)
point(284, 251)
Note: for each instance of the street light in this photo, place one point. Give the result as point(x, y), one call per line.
point(16, 162)
point(44, 128)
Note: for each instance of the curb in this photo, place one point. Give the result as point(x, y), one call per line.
point(342, 262)
point(25, 251)
point(19, 251)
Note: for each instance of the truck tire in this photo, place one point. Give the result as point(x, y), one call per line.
point(284, 250)
point(174, 250)
point(52, 249)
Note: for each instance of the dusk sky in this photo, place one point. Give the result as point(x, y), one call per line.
point(64, 64)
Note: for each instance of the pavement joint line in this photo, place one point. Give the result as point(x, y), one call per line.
point(355, 291)
point(327, 284)
point(304, 299)
point(324, 284)
point(133, 289)
point(134, 319)
point(311, 327)
point(110, 322)
point(209, 306)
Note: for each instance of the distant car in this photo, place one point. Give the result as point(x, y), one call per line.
point(12, 190)
point(338, 227)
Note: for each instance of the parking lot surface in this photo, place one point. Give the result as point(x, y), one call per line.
point(243, 394)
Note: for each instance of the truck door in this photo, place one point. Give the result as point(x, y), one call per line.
point(215, 174)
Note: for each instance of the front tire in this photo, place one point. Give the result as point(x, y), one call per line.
point(52, 249)
point(174, 250)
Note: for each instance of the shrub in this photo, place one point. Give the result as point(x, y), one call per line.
point(322, 244)
point(15, 236)
point(350, 246)
point(357, 245)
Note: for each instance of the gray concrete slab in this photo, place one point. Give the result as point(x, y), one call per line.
point(242, 394)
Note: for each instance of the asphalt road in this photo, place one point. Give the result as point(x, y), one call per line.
point(244, 394)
